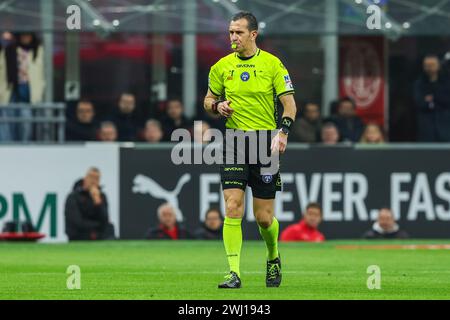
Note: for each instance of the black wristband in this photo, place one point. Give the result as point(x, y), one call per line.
point(215, 104)
point(286, 124)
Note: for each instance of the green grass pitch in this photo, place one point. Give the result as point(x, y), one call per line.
point(191, 270)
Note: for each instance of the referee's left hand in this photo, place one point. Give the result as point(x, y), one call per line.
point(279, 143)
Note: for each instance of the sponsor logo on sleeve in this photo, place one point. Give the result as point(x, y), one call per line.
point(288, 83)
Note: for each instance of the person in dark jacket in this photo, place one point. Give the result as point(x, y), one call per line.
point(432, 98)
point(152, 132)
point(125, 118)
point(349, 125)
point(168, 227)
point(86, 210)
point(84, 127)
point(212, 227)
point(307, 128)
point(385, 227)
point(174, 119)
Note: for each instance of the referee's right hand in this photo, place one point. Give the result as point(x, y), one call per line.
point(224, 109)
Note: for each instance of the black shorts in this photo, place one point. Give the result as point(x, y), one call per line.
point(238, 174)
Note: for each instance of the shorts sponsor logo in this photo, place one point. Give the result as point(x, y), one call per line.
point(279, 181)
point(245, 76)
point(234, 169)
point(267, 178)
point(233, 183)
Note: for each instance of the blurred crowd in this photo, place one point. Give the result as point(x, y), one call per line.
point(22, 80)
point(344, 126)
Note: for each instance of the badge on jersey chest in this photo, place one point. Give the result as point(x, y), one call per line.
point(245, 76)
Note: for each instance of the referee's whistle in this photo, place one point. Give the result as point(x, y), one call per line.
point(233, 46)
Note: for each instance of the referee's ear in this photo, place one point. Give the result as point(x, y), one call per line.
point(254, 34)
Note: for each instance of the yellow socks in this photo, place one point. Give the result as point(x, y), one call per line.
point(232, 239)
point(270, 236)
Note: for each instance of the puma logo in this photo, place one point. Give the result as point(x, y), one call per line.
point(144, 185)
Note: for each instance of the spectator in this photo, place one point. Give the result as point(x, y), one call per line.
point(5, 83)
point(372, 134)
point(212, 227)
point(26, 80)
point(168, 228)
point(153, 132)
point(125, 117)
point(108, 132)
point(385, 227)
point(329, 134)
point(5, 94)
point(432, 98)
point(307, 128)
point(174, 119)
point(83, 128)
point(348, 123)
point(333, 107)
point(306, 229)
point(86, 210)
point(201, 132)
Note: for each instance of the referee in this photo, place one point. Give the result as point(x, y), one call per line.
point(243, 88)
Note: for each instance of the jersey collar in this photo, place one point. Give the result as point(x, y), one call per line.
point(248, 58)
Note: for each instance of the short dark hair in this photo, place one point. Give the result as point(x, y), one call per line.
point(105, 124)
point(386, 208)
point(153, 121)
point(314, 205)
point(347, 99)
point(213, 209)
point(85, 101)
point(329, 124)
point(431, 56)
point(127, 93)
point(310, 103)
point(174, 99)
point(251, 19)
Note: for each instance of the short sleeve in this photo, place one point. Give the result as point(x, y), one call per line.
point(281, 80)
point(215, 80)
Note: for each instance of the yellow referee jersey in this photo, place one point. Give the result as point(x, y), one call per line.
point(252, 85)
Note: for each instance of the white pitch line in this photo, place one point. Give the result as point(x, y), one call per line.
point(224, 273)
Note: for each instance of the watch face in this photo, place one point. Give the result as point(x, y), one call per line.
point(285, 131)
